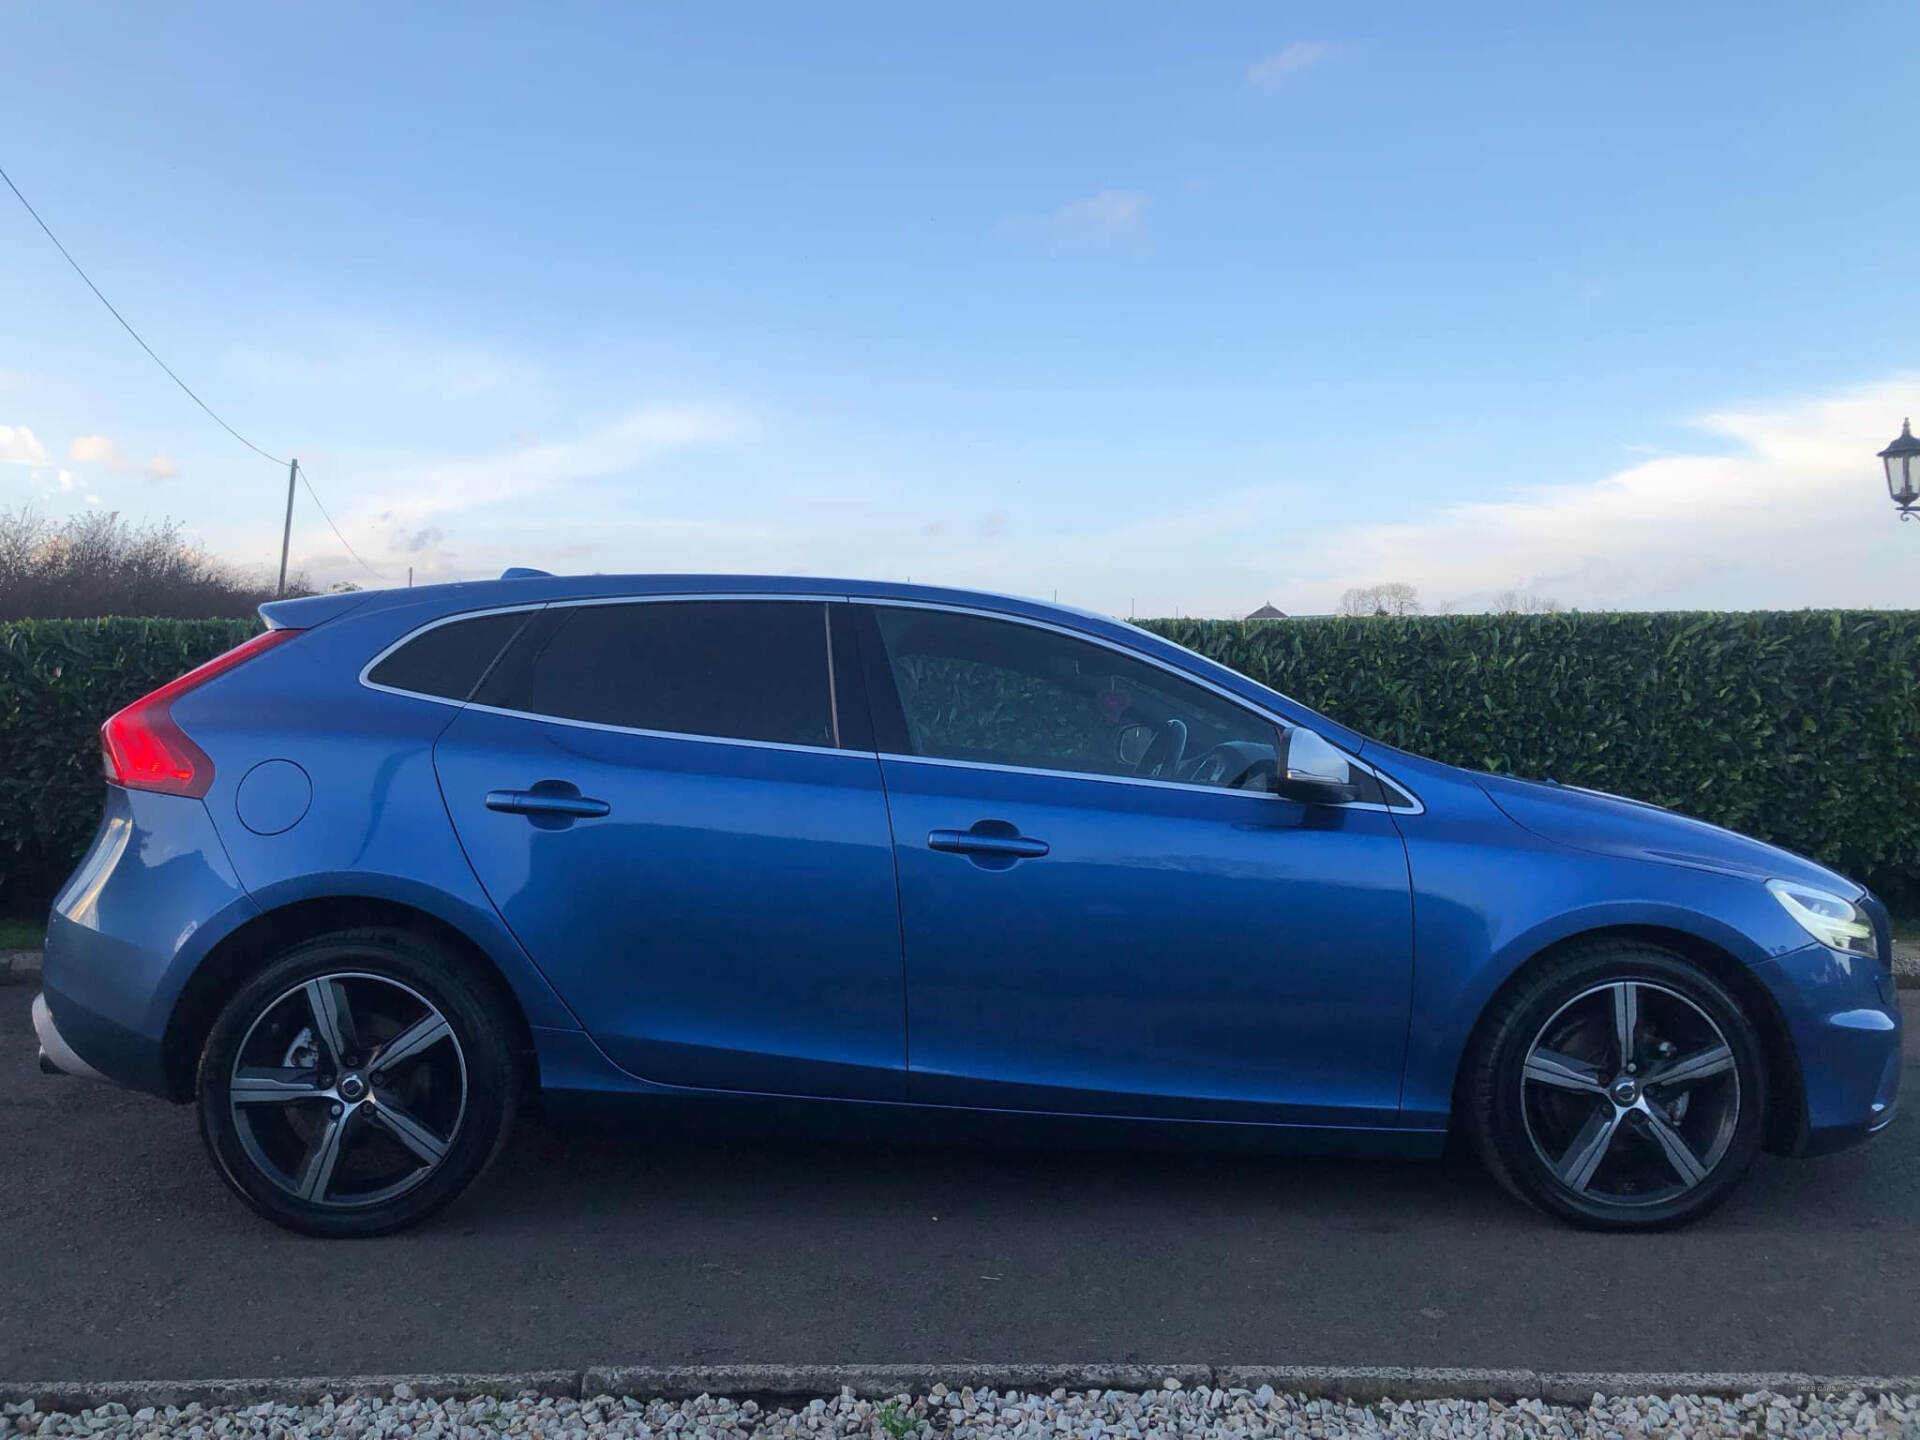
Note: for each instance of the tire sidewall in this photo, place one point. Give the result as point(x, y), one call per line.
point(1652, 966)
point(476, 1023)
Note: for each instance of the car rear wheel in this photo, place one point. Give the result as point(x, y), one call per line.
point(357, 1083)
point(1620, 1087)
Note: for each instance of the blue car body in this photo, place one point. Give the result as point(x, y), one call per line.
point(772, 925)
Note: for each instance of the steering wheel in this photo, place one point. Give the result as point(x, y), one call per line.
point(1165, 751)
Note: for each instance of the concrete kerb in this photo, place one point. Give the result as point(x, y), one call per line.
point(787, 1384)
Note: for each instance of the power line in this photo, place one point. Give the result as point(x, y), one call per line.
point(133, 332)
point(302, 470)
point(185, 388)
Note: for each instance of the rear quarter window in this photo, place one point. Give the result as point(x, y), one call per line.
point(448, 660)
point(730, 669)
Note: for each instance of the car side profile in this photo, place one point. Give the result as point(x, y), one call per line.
point(864, 855)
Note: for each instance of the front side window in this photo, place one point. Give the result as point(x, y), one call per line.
point(999, 692)
point(733, 669)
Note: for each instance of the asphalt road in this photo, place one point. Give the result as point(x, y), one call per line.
point(121, 1257)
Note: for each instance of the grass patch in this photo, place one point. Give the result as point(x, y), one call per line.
point(17, 934)
point(1906, 929)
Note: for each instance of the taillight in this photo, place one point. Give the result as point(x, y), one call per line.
point(145, 750)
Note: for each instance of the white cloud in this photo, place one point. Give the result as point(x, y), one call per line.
point(96, 450)
point(457, 483)
point(1106, 216)
point(99, 450)
point(19, 446)
point(356, 359)
point(1789, 509)
point(427, 513)
point(1786, 508)
point(1289, 59)
point(1109, 210)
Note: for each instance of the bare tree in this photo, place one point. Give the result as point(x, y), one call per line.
point(1523, 602)
point(97, 564)
point(1393, 598)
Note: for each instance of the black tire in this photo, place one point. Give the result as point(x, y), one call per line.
point(1699, 1088)
point(350, 1130)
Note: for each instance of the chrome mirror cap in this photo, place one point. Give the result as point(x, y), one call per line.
point(1313, 770)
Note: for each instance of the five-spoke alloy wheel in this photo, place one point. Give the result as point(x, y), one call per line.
point(356, 1083)
point(1620, 1086)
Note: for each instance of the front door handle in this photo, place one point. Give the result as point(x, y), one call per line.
point(1000, 840)
point(546, 802)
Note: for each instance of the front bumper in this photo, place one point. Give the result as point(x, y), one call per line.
point(1843, 1014)
point(56, 1056)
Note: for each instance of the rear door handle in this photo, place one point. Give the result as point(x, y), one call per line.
point(540, 802)
point(979, 842)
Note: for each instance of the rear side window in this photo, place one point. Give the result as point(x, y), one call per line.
point(449, 659)
point(733, 669)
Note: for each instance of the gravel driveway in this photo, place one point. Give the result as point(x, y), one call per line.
point(1205, 1414)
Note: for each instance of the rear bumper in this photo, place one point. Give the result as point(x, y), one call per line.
point(55, 1053)
point(148, 898)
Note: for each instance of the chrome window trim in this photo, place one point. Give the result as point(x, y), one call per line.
point(1095, 777)
point(804, 597)
point(664, 734)
point(1417, 807)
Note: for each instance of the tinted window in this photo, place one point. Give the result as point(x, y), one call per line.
point(741, 669)
point(449, 659)
point(1004, 693)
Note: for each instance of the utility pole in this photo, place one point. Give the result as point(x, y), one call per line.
point(286, 531)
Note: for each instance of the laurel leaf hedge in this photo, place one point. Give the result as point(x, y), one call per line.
point(1800, 727)
point(58, 680)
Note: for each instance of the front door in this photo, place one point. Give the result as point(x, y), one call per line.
point(654, 796)
point(1105, 909)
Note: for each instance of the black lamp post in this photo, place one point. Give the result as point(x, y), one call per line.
point(1902, 459)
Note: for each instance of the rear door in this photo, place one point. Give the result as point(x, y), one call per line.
point(658, 798)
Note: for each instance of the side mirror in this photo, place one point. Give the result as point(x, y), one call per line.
point(1313, 770)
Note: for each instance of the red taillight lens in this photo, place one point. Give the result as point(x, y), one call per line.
point(145, 750)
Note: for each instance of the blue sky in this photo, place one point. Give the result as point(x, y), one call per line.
point(1159, 307)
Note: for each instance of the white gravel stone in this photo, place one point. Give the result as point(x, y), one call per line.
point(1170, 1413)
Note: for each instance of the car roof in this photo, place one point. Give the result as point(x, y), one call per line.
point(428, 602)
point(533, 587)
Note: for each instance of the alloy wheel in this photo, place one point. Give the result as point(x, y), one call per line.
point(348, 1090)
point(1630, 1094)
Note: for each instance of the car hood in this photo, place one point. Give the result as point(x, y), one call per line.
point(1614, 825)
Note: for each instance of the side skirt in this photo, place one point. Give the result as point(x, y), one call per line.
point(580, 1087)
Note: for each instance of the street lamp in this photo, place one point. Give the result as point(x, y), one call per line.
point(1902, 458)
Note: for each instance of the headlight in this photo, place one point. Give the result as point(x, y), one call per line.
point(1834, 921)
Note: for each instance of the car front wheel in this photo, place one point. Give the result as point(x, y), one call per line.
point(357, 1083)
point(1620, 1087)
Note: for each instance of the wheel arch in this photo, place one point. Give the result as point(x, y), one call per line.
point(1786, 1120)
point(251, 944)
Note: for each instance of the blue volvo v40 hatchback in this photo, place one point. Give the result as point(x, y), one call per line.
point(728, 847)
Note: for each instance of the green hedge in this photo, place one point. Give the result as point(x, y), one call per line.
point(58, 680)
point(1799, 727)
